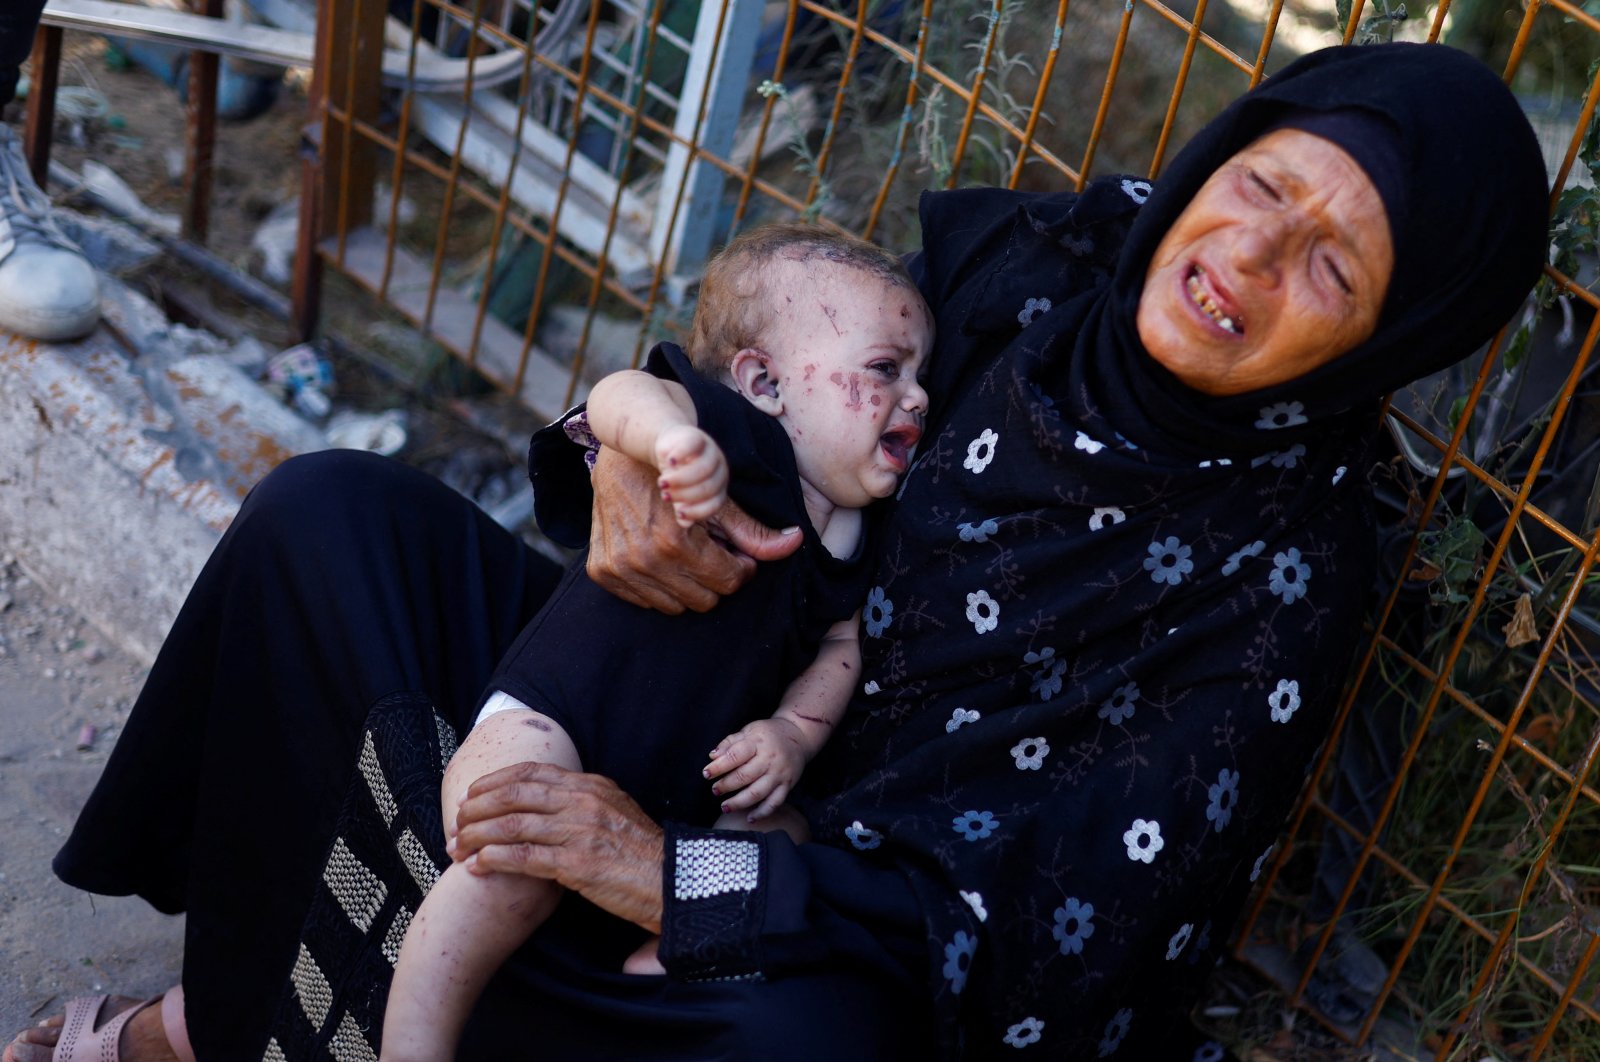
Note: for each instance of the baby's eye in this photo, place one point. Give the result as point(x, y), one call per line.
point(890, 369)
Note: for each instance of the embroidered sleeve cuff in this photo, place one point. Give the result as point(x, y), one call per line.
point(714, 890)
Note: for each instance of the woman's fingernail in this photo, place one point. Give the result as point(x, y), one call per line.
point(794, 530)
point(725, 808)
point(450, 846)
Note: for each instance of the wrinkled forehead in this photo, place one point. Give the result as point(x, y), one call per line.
point(1328, 180)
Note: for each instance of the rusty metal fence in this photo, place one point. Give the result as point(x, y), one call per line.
point(536, 183)
point(1439, 883)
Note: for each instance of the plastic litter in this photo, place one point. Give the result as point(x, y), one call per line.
point(379, 433)
point(104, 184)
point(86, 735)
point(306, 377)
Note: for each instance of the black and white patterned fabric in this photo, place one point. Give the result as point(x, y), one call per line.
point(388, 852)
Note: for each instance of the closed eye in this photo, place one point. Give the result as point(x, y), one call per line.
point(1339, 277)
point(1261, 183)
point(890, 369)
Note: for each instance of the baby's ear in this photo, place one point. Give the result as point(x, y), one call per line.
point(756, 379)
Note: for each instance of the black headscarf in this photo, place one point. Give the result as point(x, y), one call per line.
point(1108, 627)
point(1467, 236)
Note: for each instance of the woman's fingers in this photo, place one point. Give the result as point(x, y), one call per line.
point(638, 552)
point(579, 830)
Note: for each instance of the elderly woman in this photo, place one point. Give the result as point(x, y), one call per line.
point(1113, 608)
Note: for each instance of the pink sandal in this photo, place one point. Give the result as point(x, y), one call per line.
point(81, 1042)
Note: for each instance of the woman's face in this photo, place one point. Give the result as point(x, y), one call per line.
point(1278, 265)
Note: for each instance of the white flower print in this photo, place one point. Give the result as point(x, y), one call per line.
point(1032, 309)
point(958, 959)
point(960, 718)
point(1088, 444)
point(1282, 415)
point(1237, 556)
point(977, 532)
point(1144, 840)
point(1138, 191)
point(1338, 474)
point(1210, 1051)
point(1073, 926)
point(1047, 680)
point(1284, 700)
point(1290, 457)
point(980, 451)
point(864, 839)
point(1261, 860)
point(1179, 940)
point(1169, 561)
point(871, 687)
point(1119, 706)
point(1098, 518)
point(1030, 753)
point(983, 611)
point(1024, 1032)
point(877, 613)
point(1221, 462)
point(974, 825)
point(975, 901)
point(1223, 794)
point(1116, 1031)
point(1289, 575)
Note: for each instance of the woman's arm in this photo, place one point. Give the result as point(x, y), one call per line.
point(727, 903)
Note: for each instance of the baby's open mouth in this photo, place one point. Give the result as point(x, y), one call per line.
point(897, 444)
point(1208, 305)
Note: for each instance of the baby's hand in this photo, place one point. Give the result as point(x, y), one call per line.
point(765, 759)
point(694, 473)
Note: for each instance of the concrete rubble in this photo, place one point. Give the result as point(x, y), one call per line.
point(124, 456)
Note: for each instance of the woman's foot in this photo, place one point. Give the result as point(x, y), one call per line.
point(143, 1039)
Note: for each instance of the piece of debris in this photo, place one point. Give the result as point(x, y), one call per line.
point(1521, 630)
point(102, 182)
point(86, 735)
point(380, 433)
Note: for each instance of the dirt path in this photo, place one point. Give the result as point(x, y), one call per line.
point(57, 674)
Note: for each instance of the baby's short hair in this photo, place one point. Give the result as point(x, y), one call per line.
point(735, 305)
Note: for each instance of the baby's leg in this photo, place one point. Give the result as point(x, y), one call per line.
point(468, 925)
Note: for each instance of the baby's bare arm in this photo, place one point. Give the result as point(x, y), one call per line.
point(765, 759)
point(654, 421)
point(516, 735)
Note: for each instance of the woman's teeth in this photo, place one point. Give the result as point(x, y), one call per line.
point(1204, 301)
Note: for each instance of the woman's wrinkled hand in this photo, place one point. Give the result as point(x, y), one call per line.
point(578, 830)
point(638, 552)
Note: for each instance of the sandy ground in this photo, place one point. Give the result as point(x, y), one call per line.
point(57, 675)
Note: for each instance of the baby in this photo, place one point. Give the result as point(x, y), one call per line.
point(801, 403)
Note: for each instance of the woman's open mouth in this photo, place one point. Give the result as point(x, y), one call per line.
point(1208, 305)
point(897, 445)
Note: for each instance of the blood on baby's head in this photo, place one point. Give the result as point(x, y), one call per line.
point(740, 288)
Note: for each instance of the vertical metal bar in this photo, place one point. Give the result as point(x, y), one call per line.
point(201, 133)
point(437, 271)
point(46, 68)
point(779, 67)
point(1037, 110)
point(401, 137)
point(1105, 95)
point(1268, 31)
point(991, 32)
point(353, 59)
point(1580, 968)
point(713, 86)
point(825, 152)
point(1177, 87)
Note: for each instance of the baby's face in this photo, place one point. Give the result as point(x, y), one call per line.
point(846, 347)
